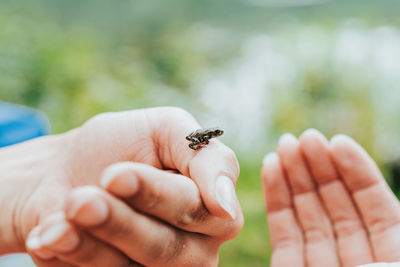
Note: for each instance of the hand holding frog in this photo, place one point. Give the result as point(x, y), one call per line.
point(155, 140)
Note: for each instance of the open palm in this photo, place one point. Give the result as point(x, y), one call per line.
point(328, 204)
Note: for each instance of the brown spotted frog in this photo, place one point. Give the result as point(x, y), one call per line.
point(200, 138)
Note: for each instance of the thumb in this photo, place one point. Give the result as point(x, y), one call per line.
point(215, 170)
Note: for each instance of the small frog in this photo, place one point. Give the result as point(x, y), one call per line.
point(200, 138)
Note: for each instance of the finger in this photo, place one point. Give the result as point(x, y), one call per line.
point(285, 233)
point(167, 196)
point(379, 208)
point(352, 239)
point(214, 168)
point(320, 243)
point(33, 244)
point(41, 256)
point(76, 247)
point(148, 241)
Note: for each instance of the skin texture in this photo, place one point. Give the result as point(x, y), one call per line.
point(328, 204)
point(178, 203)
point(48, 175)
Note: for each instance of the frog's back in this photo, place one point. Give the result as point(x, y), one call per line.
point(197, 133)
point(202, 132)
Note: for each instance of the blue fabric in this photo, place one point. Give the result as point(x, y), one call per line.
point(18, 124)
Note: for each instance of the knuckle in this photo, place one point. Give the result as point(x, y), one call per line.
point(176, 247)
point(154, 198)
point(192, 209)
point(193, 216)
point(168, 253)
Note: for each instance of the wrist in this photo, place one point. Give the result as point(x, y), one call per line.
point(23, 167)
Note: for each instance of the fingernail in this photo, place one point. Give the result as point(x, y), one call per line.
point(226, 196)
point(123, 184)
point(312, 131)
point(33, 243)
point(287, 138)
point(60, 237)
point(341, 138)
point(35, 246)
point(271, 158)
point(88, 208)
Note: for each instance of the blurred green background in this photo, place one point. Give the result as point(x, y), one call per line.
point(256, 68)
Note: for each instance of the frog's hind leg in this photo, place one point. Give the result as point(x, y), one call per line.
point(192, 146)
point(202, 144)
point(195, 142)
point(199, 147)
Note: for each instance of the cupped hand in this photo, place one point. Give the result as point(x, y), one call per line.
point(328, 204)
